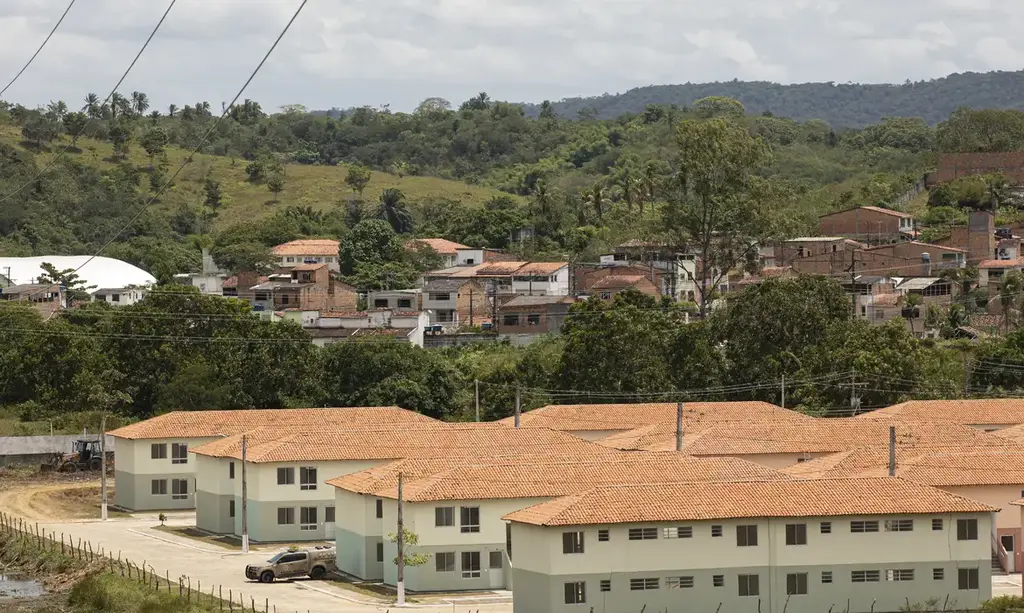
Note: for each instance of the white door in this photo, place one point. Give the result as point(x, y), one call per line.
point(329, 530)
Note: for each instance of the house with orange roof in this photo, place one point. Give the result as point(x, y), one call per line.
point(308, 251)
point(796, 546)
point(868, 224)
point(455, 507)
point(609, 286)
point(987, 414)
point(155, 470)
point(448, 250)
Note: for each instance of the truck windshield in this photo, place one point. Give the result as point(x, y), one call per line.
point(275, 558)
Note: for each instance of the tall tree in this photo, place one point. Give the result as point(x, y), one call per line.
point(140, 103)
point(74, 124)
point(92, 106)
point(392, 209)
point(357, 178)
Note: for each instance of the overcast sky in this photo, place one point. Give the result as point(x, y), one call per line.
point(354, 52)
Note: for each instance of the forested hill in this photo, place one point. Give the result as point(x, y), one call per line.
point(841, 105)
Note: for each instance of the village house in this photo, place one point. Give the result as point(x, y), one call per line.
point(609, 286)
point(308, 251)
point(988, 414)
point(448, 250)
point(908, 258)
point(154, 471)
point(209, 280)
point(400, 299)
point(44, 298)
point(335, 327)
point(119, 296)
point(510, 278)
point(523, 319)
point(307, 287)
point(676, 267)
point(871, 225)
point(802, 546)
point(457, 301)
point(455, 508)
point(978, 238)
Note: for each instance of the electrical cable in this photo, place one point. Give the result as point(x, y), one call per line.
point(45, 40)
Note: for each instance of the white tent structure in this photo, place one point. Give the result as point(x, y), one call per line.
point(100, 272)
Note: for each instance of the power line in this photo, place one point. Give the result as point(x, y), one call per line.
point(124, 76)
point(45, 40)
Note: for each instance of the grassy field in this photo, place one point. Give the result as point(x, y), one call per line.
point(320, 187)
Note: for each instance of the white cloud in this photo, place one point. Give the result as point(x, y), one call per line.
point(353, 52)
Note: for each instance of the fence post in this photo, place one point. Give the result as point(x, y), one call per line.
point(167, 574)
point(188, 594)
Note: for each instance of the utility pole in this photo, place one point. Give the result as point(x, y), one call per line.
point(245, 492)
point(967, 376)
point(853, 280)
point(679, 426)
point(854, 400)
point(519, 397)
point(892, 451)
point(783, 391)
point(471, 309)
point(476, 384)
point(401, 548)
point(103, 467)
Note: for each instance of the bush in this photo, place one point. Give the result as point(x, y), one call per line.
point(1003, 604)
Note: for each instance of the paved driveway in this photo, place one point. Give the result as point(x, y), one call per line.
point(172, 555)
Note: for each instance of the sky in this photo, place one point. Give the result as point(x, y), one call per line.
point(343, 53)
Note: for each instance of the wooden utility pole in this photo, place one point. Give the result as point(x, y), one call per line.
point(103, 468)
point(892, 451)
point(471, 309)
point(245, 492)
point(679, 426)
point(400, 583)
point(519, 399)
point(476, 396)
point(783, 391)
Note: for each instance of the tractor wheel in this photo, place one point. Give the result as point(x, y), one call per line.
point(267, 577)
point(70, 467)
point(95, 464)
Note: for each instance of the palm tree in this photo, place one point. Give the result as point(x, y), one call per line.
point(595, 198)
point(912, 303)
point(92, 106)
point(392, 209)
point(140, 103)
point(57, 110)
point(154, 115)
point(542, 197)
point(956, 317)
point(626, 185)
point(171, 110)
point(117, 105)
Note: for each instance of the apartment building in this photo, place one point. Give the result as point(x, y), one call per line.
point(598, 421)
point(287, 466)
point(155, 470)
point(855, 545)
point(308, 251)
point(455, 508)
point(987, 414)
point(451, 302)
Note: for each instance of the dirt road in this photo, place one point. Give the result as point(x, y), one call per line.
point(59, 501)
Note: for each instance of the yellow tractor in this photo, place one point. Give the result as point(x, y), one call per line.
point(86, 456)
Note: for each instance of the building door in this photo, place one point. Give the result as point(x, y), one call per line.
point(1007, 541)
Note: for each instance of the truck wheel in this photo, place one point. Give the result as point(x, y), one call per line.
point(318, 572)
point(267, 577)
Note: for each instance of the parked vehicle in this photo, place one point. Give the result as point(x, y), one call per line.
point(313, 563)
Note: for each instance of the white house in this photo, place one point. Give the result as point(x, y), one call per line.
point(855, 545)
point(119, 296)
point(308, 251)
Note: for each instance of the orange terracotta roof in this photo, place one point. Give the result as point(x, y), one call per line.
point(919, 244)
point(308, 267)
point(202, 424)
point(499, 269)
point(735, 500)
point(232, 281)
point(891, 299)
point(1017, 263)
point(549, 477)
point(617, 281)
point(541, 268)
point(876, 209)
point(442, 246)
point(822, 436)
point(618, 417)
point(308, 246)
point(437, 440)
point(995, 411)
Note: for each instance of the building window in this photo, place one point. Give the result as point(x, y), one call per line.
point(307, 478)
point(286, 476)
point(159, 487)
point(510, 320)
point(826, 576)
point(405, 304)
point(899, 525)
point(796, 534)
point(796, 584)
point(115, 298)
point(899, 574)
point(718, 580)
point(439, 296)
point(643, 534)
point(746, 536)
point(533, 319)
point(307, 518)
point(936, 524)
point(575, 592)
point(864, 576)
point(606, 585)
point(231, 470)
point(284, 299)
point(380, 552)
point(749, 585)
point(939, 574)
point(285, 516)
point(179, 489)
point(496, 559)
point(470, 564)
point(967, 578)
point(716, 531)
point(179, 453)
point(231, 508)
point(158, 451)
point(967, 530)
point(444, 562)
point(444, 516)
point(380, 508)
point(826, 527)
point(678, 532)
point(649, 583)
point(572, 542)
point(380, 303)
point(290, 260)
point(469, 519)
point(328, 515)
point(864, 526)
point(603, 536)
point(675, 583)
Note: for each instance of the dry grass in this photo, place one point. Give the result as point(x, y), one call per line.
point(320, 187)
